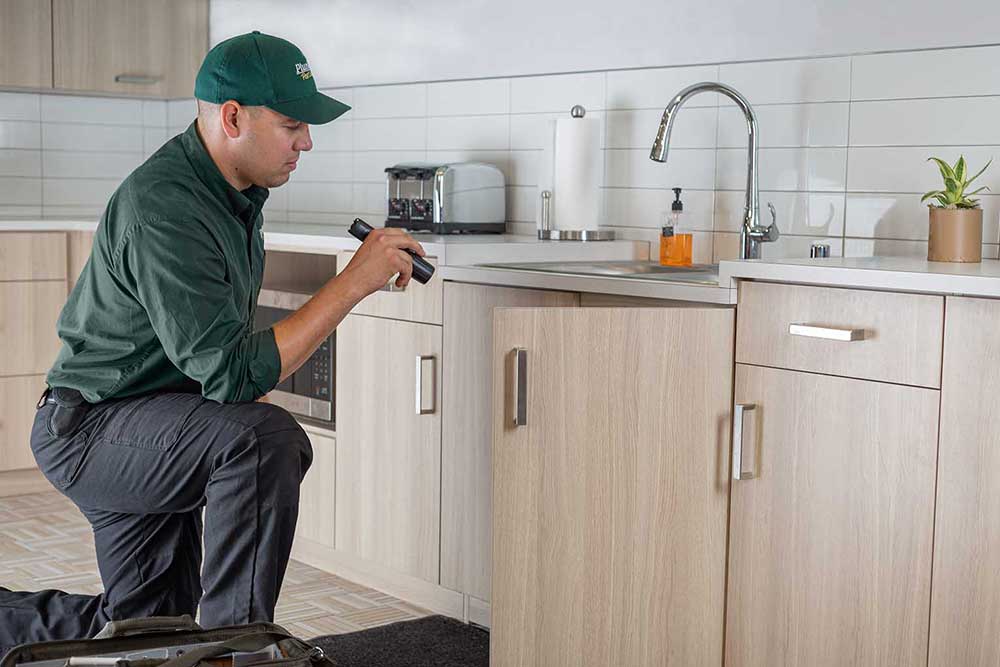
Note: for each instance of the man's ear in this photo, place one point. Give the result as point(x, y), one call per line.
point(231, 118)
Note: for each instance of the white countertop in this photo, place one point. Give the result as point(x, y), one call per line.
point(897, 274)
point(455, 249)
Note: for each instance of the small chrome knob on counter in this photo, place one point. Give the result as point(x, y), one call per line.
point(819, 250)
point(546, 219)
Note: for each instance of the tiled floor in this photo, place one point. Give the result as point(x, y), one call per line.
point(46, 543)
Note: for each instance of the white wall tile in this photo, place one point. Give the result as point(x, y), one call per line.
point(73, 109)
point(66, 164)
point(276, 206)
point(390, 134)
point(684, 168)
point(884, 248)
point(20, 212)
point(180, 113)
point(798, 213)
point(337, 135)
point(693, 128)
point(906, 169)
point(369, 199)
point(320, 197)
point(816, 80)
point(152, 139)
point(534, 131)
point(20, 191)
point(20, 134)
point(904, 217)
point(466, 98)
point(369, 166)
point(725, 246)
point(632, 207)
point(786, 125)
point(74, 211)
point(939, 122)
point(79, 137)
point(795, 169)
point(20, 163)
point(323, 167)
point(474, 132)
point(400, 101)
point(938, 73)
point(524, 166)
point(345, 95)
point(653, 88)
point(154, 113)
point(521, 204)
point(20, 106)
point(88, 192)
point(557, 93)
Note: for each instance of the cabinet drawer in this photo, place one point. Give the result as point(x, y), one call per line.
point(18, 396)
point(28, 314)
point(32, 256)
point(416, 303)
point(882, 336)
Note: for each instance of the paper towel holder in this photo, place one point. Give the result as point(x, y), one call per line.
point(545, 231)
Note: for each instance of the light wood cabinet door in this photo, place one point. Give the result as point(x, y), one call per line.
point(830, 539)
point(32, 256)
point(965, 602)
point(139, 47)
point(28, 315)
point(388, 508)
point(18, 396)
point(317, 494)
point(78, 247)
point(609, 514)
point(467, 430)
point(26, 43)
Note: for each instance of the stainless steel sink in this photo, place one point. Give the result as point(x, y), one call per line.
point(696, 273)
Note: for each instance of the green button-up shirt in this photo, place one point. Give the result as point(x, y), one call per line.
point(166, 300)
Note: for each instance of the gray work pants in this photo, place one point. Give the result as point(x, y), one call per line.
point(141, 470)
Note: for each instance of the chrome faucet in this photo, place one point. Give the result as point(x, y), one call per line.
point(752, 233)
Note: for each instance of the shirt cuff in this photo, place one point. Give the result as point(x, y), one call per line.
point(265, 364)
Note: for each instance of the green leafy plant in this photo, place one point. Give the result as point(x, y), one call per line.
point(954, 194)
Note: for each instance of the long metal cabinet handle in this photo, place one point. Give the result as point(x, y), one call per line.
point(738, 413)
point(420, 387)
point(140, 79)
point(520, 386)
point(828, 333)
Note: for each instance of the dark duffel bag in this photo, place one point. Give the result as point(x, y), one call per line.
point(172, 642)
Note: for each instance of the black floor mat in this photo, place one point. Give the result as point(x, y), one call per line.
point(434, 641)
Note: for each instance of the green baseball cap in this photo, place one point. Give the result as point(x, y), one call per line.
point(262, 70)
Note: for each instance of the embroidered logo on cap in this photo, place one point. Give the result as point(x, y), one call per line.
point(302, 69)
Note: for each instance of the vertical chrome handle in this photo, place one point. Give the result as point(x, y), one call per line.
point(738, 420)
point(520, 410)
point(421, 410)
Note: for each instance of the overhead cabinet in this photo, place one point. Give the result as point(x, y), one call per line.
point(137, 47)
point(26, 43)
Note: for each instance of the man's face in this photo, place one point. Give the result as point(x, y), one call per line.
point(272, 146)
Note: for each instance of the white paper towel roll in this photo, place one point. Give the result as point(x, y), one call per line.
point(571, 169)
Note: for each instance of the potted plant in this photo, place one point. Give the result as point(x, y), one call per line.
point(956, 221)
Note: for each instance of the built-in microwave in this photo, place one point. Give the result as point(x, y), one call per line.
point(309, 391)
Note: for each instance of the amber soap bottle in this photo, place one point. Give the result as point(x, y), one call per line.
point(675, 246)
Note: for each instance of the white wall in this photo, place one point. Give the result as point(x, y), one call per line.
point(359, 42)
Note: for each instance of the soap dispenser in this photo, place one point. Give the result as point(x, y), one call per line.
point(675, 246)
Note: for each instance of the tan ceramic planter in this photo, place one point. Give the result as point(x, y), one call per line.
point(956, 235)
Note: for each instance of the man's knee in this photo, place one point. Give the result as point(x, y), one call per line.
point(282, 441)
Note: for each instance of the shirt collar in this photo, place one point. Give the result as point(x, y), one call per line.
point(244, 204)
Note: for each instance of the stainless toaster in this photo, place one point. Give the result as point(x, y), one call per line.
point(446, 198)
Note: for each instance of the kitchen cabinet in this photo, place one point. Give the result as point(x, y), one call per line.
point(414, 303)
point(28, 314)
point(831, 527)
point(965, 624)
point(467, 436)
point(317, 494)
point(26, 43)
point(610, 497)
point(18, 396)
point(147, 47)
point(388, 415)
point(78, 246)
